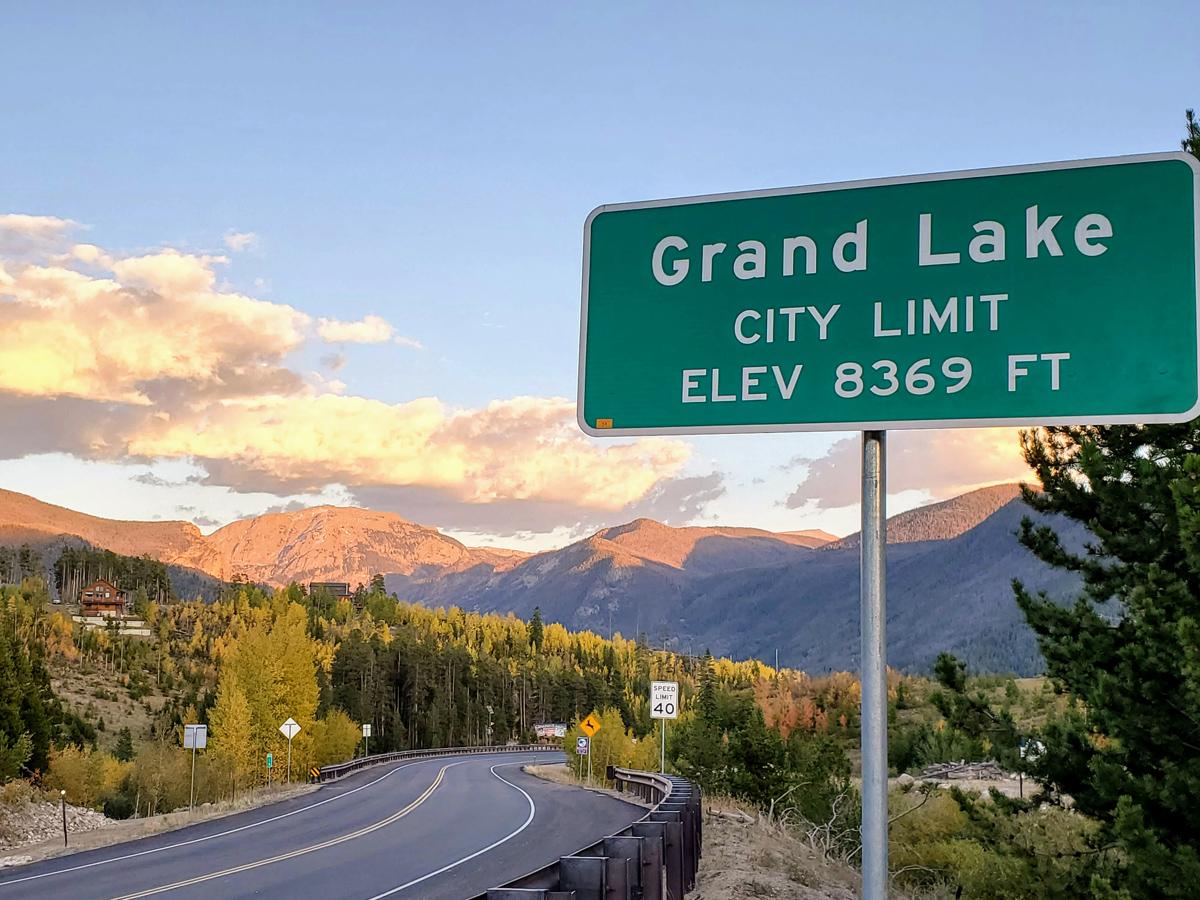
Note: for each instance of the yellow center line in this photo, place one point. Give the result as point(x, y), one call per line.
point(303, 850)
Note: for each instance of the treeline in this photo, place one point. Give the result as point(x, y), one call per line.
point(144, 578)
point(421, 677)
point(19, 563)
point(32, 719)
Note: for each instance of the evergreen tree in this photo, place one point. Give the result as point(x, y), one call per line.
point(1129, 648)
point(708, 690)
point(124, 749)
point(970, 719)
point(537, 631)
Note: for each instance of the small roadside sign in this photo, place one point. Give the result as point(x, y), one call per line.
point(582, 745)
point(590, 725)
point(195, 737)
point(366, 730)
point(315, 773)
point(270, 761)
point(664, 700)
point(290, 729)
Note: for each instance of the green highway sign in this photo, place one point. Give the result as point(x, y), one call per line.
point(1055, 293)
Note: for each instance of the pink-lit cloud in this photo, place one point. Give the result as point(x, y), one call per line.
point(942, 463)
point(157, 359)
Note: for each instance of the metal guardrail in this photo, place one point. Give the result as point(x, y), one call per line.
point(337, 770)
point(655, 858)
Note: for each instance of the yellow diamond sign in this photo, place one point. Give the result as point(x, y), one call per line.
point(590, 725)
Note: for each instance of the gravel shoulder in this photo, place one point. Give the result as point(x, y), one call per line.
point(32, 831)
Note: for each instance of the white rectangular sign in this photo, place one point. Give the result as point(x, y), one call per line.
point(664, 700)
point(366, 730)
point(195, 737)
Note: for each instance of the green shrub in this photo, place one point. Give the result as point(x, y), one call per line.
point(988, 848)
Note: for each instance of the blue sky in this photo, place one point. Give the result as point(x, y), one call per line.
point(433, 167)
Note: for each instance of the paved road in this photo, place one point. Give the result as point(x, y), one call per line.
point(439, 829)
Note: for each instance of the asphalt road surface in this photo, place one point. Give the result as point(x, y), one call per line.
point(440, 828)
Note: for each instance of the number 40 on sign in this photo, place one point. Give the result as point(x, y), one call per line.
point(664, 700)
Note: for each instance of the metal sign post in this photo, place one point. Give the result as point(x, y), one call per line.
point(874, 667)
point(366, 732)
point(664, 704)
point(590, 726)
point(289, 729)
point(195, 737)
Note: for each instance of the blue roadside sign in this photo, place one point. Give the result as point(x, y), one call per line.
point(581, 746)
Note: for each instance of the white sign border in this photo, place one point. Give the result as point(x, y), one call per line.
point(914, 424)
point(676, 701)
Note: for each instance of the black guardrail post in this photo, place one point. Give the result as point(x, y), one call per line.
point(672, 852)
point(654, 837)
point(585, 875)
point(656, 858)
point(628, 848)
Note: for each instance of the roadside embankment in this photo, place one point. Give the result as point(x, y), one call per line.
point(31, 827)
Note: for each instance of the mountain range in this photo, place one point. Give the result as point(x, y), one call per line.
point(737, 591)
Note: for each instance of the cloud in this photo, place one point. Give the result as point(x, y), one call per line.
point(169, 272)
point(149, 357)
point(157, 326)
point(942, 463)
point(519, 449)
point(411, 343)
point(678, 501)
point(333, 361)
point(674, 500)
point(239, 241)
point(149, 478)
point(290, 506)
point(21, 234)
point(368, 330)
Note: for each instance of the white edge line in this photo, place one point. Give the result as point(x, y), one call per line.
point(493, 846)
point(209, 837)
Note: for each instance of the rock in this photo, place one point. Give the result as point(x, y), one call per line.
point(905, 782)
point(34, 822)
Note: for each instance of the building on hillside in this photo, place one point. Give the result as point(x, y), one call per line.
point(339, 589)
point(103, 598)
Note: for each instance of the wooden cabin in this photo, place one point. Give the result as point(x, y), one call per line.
point(103, 598)
point(340, 590)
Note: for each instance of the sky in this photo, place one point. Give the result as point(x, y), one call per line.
point(256, 257)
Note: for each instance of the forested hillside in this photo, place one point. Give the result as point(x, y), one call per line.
point(254, 657)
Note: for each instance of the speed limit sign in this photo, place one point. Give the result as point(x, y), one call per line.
point(664, 700)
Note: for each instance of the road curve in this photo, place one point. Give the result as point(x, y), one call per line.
point(441, 829)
